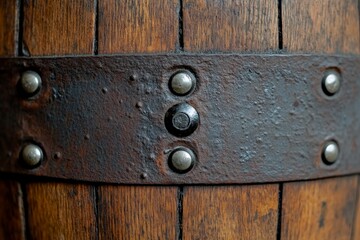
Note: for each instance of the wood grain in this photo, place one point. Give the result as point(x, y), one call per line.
point(12, 220)
point(240, 25)
point(322, 209)
point(135, 212)
point(63, 27)
point(138, 26)
point(232, 212)
point(328, 26)
point(8, 28)
point(61, 211)
point(11, 211)
point(356, 225)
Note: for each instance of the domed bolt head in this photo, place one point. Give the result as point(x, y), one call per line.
point(30, 82)
point(181, 83)
point(32, 155)
point(331, 83)
point(181, 160)
point(330, 152)
point(181, 120)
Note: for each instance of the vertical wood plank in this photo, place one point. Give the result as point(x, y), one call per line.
point(11, 211)
point(328, 26)
point(240, 25)
point(61, 211)
point(63, 27)
point(138, 26)
point(230, 212)
point(356, 225)
point(11, 199)
point(234, 212)
point(322, 209)
point(8, 29)
point(135, 212)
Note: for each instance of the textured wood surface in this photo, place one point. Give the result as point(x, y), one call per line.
point(328, 26)
point(250, 25)
point(58, 210)
point(138, 26)
point(63, 27)
point(322, 209)
point(233, 212)
point(11, 202)
point(230, 212)
point(135, 212)
point(319, 209)
point(356, 224)
point(11, 211)
point(61, 211)
point(8, 27)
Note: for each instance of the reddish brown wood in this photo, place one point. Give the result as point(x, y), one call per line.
point(322, 209)
point(63, 27)
point(58, 210)
point(11, 199)
point(8, 27)
point(356, 223)
point(319, 209)
point(328, 26)
point(61, 211)
point(135, 212)
point(11, 211)
point(130, 212)
point(230, 25)
point(138, 26)
point(233, 212)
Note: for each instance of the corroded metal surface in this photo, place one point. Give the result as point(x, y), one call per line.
point(263, 118)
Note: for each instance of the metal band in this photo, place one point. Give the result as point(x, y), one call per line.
point(263, 118)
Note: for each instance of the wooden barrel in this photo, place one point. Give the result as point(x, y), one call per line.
point(46, 208)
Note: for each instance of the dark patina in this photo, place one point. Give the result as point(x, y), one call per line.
point(263, 118)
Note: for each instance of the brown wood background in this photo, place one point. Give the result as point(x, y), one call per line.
point(44, 209)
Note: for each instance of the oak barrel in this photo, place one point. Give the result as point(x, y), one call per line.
point(51, 208)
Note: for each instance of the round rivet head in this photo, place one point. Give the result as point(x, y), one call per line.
point(181, 83)
point(331, 83)
point(32, 155)
point(181, 160)
point(30, 82)
point(330, 152)
point(181, 120)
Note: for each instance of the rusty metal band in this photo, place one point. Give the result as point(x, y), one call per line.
point(263, 118)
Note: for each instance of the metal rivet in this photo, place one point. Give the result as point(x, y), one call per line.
point(182, 83)
point(331, 83)
point(181, 160)
point(330, 152)
point(181, 120)
point(30, 82)
point(32, 155)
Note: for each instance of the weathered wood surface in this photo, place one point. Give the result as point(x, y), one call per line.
point(322, 209)
point(230, 212)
